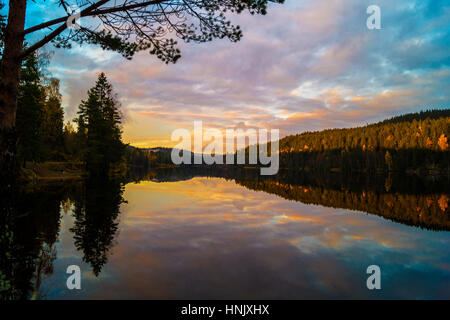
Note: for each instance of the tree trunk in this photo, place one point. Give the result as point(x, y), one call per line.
point(9, 86)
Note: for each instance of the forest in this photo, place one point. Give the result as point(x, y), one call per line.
point(91, 143)
point(412, 142)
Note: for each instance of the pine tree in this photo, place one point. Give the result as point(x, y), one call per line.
point(53, 122)
point(30, 111)
point(99, 128)
point(70, 147)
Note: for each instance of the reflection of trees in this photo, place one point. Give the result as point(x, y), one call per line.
point(44, 266)
point(29, 226)
point(411, 200)
point(424, 210)
point(96, 211)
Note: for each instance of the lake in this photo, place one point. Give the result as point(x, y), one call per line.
point(204, 237)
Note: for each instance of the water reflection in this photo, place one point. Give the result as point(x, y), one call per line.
point(215, 234)
point(29, 223)
point(409, 200)
point(429, 211)
point(96, 211)
point(30, 228)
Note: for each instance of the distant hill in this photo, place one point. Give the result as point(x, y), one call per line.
point(151, 157)
point(158, 149)
point(423, 115)
point(408, 142)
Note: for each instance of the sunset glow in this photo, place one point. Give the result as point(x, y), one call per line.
point(309, 65)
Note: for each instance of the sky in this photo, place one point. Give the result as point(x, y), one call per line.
point(308, 65)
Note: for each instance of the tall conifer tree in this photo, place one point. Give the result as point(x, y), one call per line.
point(99, 120)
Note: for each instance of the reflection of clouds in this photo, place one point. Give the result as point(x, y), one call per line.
point(209, 238)
point(243, 207)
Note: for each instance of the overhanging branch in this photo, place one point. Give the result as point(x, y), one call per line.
point(59, 30)
point(44, 41)
point(149, 21)
point(88, 12)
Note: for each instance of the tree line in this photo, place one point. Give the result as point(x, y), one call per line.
point(40, 116)
point(95, 136)
point(417, 141)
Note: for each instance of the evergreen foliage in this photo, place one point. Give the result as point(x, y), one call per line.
point(40, 116)
point(99, 130)
point(412, 141)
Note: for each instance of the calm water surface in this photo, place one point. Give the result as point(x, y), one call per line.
point(209, 238)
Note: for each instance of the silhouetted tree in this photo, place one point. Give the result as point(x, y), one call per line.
point(71, 149)
point(30, 112)
point(53, 122)
point(99, 128)
point(39, 114)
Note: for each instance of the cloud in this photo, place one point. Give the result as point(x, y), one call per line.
point(307, 65)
